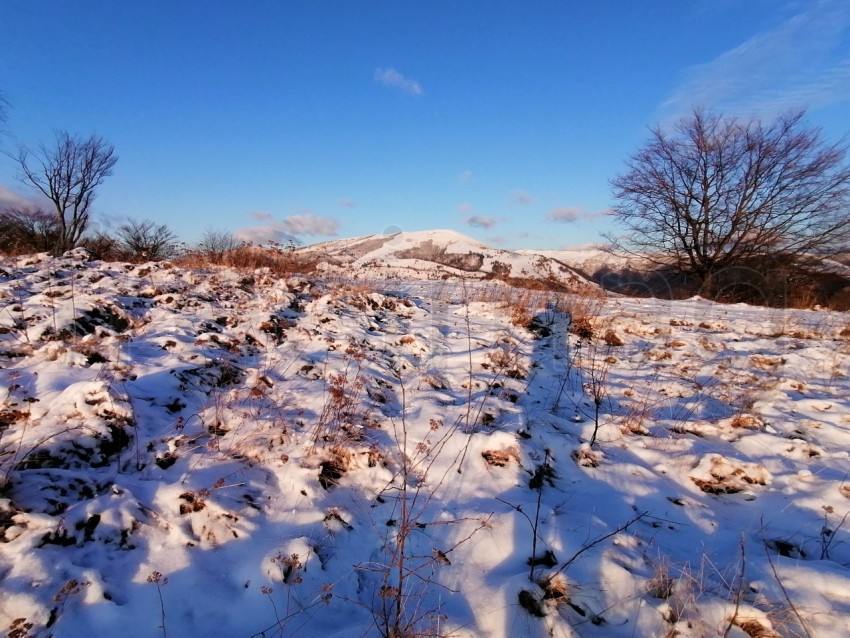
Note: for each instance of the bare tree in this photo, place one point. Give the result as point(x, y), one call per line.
point(146, 240)
point(68, 174)
point(718, 193)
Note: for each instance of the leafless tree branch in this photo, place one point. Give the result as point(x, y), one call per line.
point(718, 193)
point(68, 174)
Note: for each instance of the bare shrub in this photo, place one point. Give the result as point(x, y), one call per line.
point(215, 245)
point(102, 246)
point(341, 413)
point(220, 248)
point(280, 262)
point(28, 230)
point(521, 310)
point(585, 311)
point(408, 573)
point(146, 241)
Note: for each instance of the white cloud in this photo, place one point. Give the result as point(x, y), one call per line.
point(803, 62)
point(261, 216)
point(265, 234)
point(522, 198)
point(287, 228)
point(480, 221)
point(393, 79)
point(345, 202)
point(465, 208)
point(466, 177)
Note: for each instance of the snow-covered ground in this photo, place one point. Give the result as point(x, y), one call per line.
point(223, 453)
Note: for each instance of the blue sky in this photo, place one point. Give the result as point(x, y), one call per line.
point(503, 120)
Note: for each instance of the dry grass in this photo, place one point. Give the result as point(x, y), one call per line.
point(684, 588)
point(278, 262)
point(501, 458)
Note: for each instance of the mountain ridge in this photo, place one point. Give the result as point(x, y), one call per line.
point(442, 254)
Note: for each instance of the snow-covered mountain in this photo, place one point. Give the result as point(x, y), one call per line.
point(217, 452)
point(436, 254)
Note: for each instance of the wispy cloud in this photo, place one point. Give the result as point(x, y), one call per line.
point(345, 202)
point(283, 230)
point(566, 215)
point(11, 199)
point(393, 79)
point(572, 214)
point(803, 62)
point(465, 208)
point(465, 177)
point(310, 224)
point(481, 221)
point(521, 197)
point(501, 240)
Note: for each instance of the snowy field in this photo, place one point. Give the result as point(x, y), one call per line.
point(221, 453)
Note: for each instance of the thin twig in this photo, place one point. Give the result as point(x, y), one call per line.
point(825, 547)
point(622, 528)
point(536, 523)
point(739, 589)
point(787, 598)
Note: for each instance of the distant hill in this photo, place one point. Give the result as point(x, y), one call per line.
point(442, 254)
point(446, 254)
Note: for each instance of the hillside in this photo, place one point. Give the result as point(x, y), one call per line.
point(212, 452)
point(441, 254)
